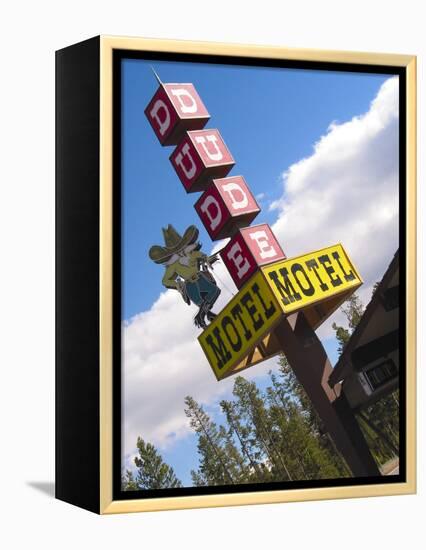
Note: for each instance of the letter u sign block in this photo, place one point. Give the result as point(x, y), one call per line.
point(174, 109)
point(249, 249)
point(225, 206)
point(199, 157)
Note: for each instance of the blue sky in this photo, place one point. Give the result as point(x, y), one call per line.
point(270, 119)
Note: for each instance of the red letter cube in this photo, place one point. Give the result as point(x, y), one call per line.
point(199, 157)
point(225, 206)
point(249, 249)
point(174, 109)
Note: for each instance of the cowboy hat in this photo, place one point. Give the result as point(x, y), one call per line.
point(173, 243)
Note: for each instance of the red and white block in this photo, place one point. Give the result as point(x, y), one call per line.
point(249, 249)
point(201, 156)
point(174, 109)
point(225, 206)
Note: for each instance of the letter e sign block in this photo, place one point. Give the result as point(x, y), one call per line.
point(199, 157)
point(225, 206)
point(249, 249)
point(174, 109)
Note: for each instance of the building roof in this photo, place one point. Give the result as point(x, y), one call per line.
point(367, 325)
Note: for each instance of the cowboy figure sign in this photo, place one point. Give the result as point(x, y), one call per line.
point(187, 270)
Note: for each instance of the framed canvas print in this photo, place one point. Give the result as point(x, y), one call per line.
point(235, 274)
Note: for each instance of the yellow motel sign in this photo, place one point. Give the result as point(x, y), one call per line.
point(317, 282)
point(240, 325)
point(242, 333)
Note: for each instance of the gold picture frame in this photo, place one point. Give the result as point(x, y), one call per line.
point(102, 498)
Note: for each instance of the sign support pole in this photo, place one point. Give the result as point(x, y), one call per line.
point(248, 250)
point(309, 362)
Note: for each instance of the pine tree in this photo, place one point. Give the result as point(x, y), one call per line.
point(353, 311)
point(220, 463)
point(290, 386)
point(236, 461)
point(254, 470)
point(300, 440)
point(252, 406)
point(286, 434)
point(128, 482)
point(152, 472)
point(198, 480)
point(269, 436)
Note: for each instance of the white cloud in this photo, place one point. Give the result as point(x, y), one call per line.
point(163, 362)
point(346, 191)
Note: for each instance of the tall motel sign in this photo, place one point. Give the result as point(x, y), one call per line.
point(280, 301)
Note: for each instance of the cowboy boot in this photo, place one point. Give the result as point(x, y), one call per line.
point(211, 316)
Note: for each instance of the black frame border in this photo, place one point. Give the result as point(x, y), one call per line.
point(118, 56)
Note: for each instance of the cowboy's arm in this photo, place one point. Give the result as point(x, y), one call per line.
point(169, 279)
point(198, 254)
point(204, 258)
point(200, 257)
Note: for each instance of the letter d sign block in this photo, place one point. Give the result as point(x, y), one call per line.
point(249, 249)
point(226, 205)
point(174, 109)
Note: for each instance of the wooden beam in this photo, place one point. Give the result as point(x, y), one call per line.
point(308, 359)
